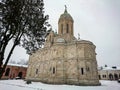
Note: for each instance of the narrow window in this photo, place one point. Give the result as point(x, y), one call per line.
point(61, 28)
point(67, 28)
point(53, 70)
point(50, 38)
point(36, 71)
point(71, 30)
point(99, 77)
point(7, 72)
point(82, 71)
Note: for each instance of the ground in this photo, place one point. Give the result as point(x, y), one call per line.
point(21, 85)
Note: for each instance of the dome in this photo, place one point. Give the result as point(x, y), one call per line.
point(66, 15)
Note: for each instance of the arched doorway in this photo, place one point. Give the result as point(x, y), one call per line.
point(20, 74)
point(7, 72)
point(110, 76)
point(116, 76)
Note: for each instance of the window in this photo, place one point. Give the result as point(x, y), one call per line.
point(71, 29)
point(67, 28)
point(7, 72)
point(99, 77)
point(61, 28)
point(82, 71)
point(104, 76)
point(36, 71)
point(50, 38)
point(53, 70)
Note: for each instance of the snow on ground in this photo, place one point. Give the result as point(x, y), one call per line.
point(21, 85)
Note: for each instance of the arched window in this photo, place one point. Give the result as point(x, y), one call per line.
point(7, 72)
point(99, 77)
point(67, 28)
point(115, 76)
point(61, 28)
point(36, 71)
point(20, 74)
point(82, 71)
point(71, 30)
point(110, 76)
point(50, 38)
point(53, 70)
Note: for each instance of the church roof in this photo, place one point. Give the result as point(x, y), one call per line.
point(109, 68)
point(18, 65)
point(66, 15)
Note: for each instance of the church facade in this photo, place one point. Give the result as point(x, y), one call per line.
point(64, 59)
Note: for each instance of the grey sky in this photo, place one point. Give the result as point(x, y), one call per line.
point(95, 20)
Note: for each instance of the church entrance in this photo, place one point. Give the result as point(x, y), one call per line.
point(116, 76)
point(20, 74)
point(110, 76)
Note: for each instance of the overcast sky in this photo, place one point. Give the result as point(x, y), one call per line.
point(95, 20)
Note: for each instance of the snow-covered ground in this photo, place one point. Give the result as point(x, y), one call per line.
point(21, 85)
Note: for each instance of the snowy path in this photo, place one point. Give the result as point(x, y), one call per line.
point(21, 85)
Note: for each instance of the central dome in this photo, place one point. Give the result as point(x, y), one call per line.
point(65, 15)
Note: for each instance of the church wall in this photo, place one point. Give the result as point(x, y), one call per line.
point(68, 62)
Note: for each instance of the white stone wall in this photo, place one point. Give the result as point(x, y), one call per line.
point(67, 60)
point(109, 74)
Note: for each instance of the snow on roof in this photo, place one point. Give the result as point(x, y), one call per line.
point(19, 65)
point(111, 68)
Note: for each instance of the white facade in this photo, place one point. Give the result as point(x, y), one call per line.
point(109, 73)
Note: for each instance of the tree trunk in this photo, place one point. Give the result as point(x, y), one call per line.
point(10, 53)
point(2, 51)
point(2, 70)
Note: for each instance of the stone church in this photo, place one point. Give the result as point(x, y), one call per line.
point(64, 59)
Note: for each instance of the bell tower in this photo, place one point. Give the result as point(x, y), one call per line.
point(65, 23)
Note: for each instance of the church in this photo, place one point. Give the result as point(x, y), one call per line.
point(64, 59)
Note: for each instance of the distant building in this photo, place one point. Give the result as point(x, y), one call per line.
point(15, 70)
point(64, 59)
point(109, 73)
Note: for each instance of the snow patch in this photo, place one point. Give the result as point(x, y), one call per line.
point(21, 85)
